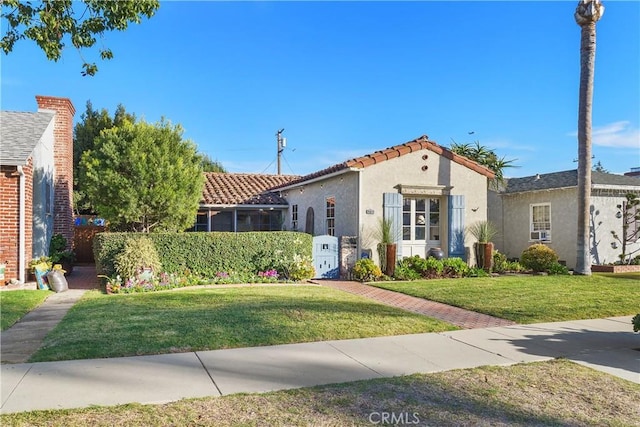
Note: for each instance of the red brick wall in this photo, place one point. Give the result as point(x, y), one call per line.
point(9, 218)
point(63, 162)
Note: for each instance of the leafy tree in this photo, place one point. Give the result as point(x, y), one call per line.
point(143, 177)
point(209, 165)
point(84, 134)
point(484, 156)
point(52, 23)
point(599, 168)
point(587, 13)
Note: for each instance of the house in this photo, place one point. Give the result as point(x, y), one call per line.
point(36, 182)
point(242, 202)
point(427, 191)
point(544, 208)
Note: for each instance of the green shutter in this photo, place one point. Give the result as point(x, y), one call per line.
point(456, 227)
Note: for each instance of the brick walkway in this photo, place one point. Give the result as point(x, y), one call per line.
point(458, 316)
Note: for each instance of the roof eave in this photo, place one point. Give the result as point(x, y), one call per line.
point(318, 178)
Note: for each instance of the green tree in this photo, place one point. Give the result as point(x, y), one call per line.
point(587, 13)
point(484, 156)
point(210, 165)
point(144, 177)
point(53, 23)
point(91, 123)
point(599, 168)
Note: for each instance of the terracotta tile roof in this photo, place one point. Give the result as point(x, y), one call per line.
point(417, 144)
point(243, 189)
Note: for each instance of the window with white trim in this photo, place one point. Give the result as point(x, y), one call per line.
point(294, 217)
point(540, 222)
point(331, 216)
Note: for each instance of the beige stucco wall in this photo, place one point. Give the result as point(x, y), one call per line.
point(513, 221)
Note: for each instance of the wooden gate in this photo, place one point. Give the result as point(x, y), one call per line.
point(325, 257)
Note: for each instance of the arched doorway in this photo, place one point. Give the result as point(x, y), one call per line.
point(309, 222)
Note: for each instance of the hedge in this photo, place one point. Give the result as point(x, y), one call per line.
point(207, 253)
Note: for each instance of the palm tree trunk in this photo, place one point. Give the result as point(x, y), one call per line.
point(587, 62)
point(587, 14)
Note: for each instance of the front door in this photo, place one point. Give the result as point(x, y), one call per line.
point(420, 225)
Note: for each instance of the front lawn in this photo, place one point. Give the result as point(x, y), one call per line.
point(207, 319)
point(533, 299)
point(549, 393)
point(15, 304)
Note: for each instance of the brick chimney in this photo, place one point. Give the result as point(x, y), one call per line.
point(63, 163)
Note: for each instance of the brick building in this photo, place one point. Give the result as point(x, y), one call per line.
point(36, 182)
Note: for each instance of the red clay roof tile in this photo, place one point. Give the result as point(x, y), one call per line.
point(243, 188)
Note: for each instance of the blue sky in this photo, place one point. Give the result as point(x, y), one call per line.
point(348, 78)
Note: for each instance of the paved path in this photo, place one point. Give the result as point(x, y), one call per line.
point(608, 345)
point(458, 316)
point(25, 337)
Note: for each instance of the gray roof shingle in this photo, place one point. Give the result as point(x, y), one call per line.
point(565, 179)
point(20, 133)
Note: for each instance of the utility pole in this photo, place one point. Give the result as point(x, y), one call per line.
point(282, 142)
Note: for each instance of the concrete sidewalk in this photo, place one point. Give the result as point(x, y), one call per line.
point(604, 344)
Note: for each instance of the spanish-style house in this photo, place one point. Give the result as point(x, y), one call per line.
point(36, 182)
point(428, 192)
point(543, 208)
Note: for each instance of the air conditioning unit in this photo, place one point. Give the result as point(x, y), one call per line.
point(540, 235)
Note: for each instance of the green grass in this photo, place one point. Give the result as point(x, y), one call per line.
point(533, 299)
point(548, 393)
point(206, 319)
point(15, 304)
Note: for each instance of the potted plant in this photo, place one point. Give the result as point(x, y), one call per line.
point(59, 253)
point(387, 247)
point(483, 232)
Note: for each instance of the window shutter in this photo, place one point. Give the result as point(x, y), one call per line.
point(456, 227)
point(392, 209)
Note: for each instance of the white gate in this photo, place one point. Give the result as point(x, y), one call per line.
point(325, 257)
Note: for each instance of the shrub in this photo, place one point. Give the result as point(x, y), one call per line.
point(514, 266)
point(137, 255)
point(454, 267)
point(365, 270)
point(207, 253)
point(636, 322)
point(477, 272)
point(557, 268)
point(299, 268)
point(404, 272)
point(499, 262)
point(538, 257)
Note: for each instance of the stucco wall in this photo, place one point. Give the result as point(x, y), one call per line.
point(564, 208)
point(414, 169)
point(345, 190)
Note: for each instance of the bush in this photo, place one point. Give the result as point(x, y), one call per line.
point(138, 254)
point(207, 253)
point(636, 322)
point(300, 268)
point(538, 257)
point(404, 272)
point(454, 267)
point(558, 268)
point(499, 262)
point(365, 270)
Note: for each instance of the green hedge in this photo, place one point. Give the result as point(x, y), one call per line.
point(208, 253)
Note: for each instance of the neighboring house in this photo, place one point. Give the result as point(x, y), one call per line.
point(242, 202)
point(544, 208)
point(36, 182)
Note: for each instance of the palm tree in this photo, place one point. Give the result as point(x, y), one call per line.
point(587, 14)
point(486, 157)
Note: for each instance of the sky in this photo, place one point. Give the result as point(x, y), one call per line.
point(345, 79)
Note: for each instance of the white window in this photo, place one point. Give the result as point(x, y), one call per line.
point(331, 216)
point(294, 217)
point(540, 222)
point(421, 219)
